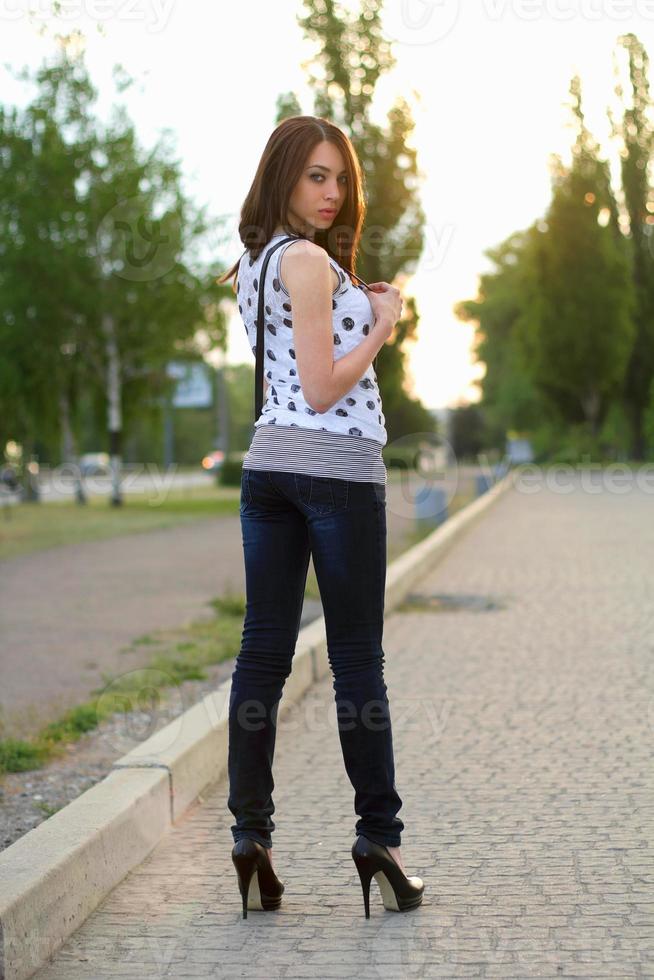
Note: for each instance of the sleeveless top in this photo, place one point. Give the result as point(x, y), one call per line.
point(345, 441)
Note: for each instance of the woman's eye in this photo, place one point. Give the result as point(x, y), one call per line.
point(320, 176)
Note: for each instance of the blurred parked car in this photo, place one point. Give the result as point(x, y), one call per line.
point(213, 461)
point(94, 464)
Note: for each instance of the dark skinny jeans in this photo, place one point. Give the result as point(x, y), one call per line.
point(286, 518)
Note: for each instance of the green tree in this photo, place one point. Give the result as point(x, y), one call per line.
point(467, 431)
point(510, 400)
point(636, 131)
point(576, 328)
point(351, 56)
point(648, 424)
point(45, 271)
point(100, 284)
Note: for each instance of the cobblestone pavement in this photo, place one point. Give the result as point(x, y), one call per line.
point(523, 741)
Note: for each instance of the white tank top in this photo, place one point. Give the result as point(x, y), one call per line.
point(354, 427)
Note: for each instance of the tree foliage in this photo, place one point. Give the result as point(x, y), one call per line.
point(577, 331)
point(636, 132)
point(555, 317)
point(99, 283)
point(351, 55)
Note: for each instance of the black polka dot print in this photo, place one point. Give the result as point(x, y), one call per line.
point(351, 309)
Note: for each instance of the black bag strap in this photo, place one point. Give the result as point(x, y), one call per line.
point(259, 325)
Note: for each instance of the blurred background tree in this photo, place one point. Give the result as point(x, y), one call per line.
point(510, 400)
point(564, 319)
point(351, 55)
point(576, 327)
point(636, 132)
point(100, 283)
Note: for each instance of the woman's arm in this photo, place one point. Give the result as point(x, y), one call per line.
point(324, 380)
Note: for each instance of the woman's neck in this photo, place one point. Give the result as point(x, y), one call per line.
point(281, 230)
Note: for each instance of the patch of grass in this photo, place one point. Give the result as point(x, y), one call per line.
point(31, 527)
point(19, 755)
point(230, 604)
point(185, 654)
point(45, 808)
point(74, 723)
point(145, 640)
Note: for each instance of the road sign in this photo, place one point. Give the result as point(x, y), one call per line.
point(194, 387)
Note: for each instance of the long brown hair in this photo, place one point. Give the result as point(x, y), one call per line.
point(280, 168)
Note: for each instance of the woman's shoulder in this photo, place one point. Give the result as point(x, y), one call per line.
point(337, 277)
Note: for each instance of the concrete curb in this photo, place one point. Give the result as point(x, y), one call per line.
point(57, 874)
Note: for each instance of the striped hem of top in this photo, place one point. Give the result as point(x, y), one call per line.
point(295, 449)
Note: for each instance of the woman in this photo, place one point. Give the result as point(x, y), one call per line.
point(313, 483)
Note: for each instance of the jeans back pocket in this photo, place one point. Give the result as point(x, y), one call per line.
point(322, 494)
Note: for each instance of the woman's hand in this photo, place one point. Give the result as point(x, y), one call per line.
point(386, 302)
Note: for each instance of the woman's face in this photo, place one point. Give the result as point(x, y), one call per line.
point(322, 185)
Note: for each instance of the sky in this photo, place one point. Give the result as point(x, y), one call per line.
point(488, 85)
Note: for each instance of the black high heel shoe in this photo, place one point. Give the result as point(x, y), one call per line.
point(258, 884)
point(399, 892)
